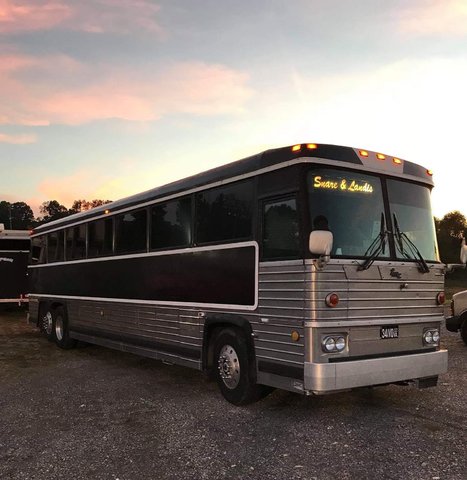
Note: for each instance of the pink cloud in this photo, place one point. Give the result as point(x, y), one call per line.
point(19, 139)
point(59, 90)
point(435, 17)
point(96, 16)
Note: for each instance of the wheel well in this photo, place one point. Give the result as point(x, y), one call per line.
point(48, 305)
point(213, 326)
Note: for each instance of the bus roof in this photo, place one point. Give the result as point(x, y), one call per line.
point(358, 158)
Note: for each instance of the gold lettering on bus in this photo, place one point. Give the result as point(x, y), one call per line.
point(343, 185)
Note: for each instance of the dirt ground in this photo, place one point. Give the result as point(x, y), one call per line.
point(97, 413)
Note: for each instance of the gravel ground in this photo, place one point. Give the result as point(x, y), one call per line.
point(97, 413)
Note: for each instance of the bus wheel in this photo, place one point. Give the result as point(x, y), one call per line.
point(61, 331)
point(46, 325)
point(464, 330)
point(235, 368)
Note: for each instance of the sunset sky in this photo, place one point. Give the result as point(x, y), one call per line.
point(106, 98)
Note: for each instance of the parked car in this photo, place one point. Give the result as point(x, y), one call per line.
point(458, 319)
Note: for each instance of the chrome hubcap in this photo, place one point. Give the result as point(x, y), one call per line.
point(47, 323)
point(229, 366)
point(59, 328)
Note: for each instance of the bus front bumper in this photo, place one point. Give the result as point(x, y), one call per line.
point(328, 377)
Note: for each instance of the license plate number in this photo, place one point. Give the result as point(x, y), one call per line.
point(390, 331)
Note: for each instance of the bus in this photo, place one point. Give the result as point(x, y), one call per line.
point(14, 253)
point(312, 268)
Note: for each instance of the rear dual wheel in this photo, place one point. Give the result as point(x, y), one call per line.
point(54, 326)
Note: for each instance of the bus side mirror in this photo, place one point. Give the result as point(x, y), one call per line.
point(320, 243)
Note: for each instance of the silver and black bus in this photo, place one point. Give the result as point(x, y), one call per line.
point(15, 246)
point(312, 268)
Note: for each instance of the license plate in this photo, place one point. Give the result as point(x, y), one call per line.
point(389, 331)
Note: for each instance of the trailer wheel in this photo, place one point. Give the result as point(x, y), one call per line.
point(464, 329)
point(235, 368)
point(61, 331)
point(46, 324)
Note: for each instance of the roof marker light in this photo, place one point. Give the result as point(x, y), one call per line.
point(106, 211)
point(296, 148)
point(364, 153)
point(430, 172)
point(397, 161)
point(380, 156)
point(311, 146)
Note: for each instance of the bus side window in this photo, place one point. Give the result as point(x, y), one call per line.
point(55, 246)
point(38, 250)
point(76, 242)
point(130, 231)
point(171, 224)
point(280, 229)
point(100, 237)
point(224, 213)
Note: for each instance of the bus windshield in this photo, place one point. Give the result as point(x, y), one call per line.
point(351, 204)
point(410, 203)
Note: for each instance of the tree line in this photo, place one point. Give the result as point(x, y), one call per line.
point(19, 215)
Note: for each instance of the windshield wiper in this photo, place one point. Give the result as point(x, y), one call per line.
point(402, 239)
point(378, 246)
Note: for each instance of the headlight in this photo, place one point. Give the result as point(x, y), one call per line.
point(333, 343)
point(431, 336)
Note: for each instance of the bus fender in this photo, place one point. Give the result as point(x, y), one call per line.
point(220, 320)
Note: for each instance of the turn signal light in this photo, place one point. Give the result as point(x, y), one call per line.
point(332, 300)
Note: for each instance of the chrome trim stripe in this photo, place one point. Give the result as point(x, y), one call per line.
point(279, 360)
point(181, 251)
point(149, 302)
point(373, 322)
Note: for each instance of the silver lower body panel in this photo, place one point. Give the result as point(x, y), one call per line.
point(328, 377)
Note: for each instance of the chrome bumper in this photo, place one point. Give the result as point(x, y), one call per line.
point(328, 377)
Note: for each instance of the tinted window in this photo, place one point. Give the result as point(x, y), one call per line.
point(280, 229)
point(38, 249)
point(130, 232)
point(171, 224)
point(55, 246)
point(224, 213)
point(100, 237)
point(76, 242)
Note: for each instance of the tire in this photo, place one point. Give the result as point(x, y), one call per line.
point(464, 330)
point(46, 324)
point(61, 331)
point(235, 368)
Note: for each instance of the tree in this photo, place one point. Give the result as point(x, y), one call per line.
point(16, 216)
point(52, 210)
point(449, 230)
point(84, 205)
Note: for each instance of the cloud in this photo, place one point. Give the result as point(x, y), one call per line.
point(60, 90)
point(435, 17)
point(93, 16)
point(19, 139)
